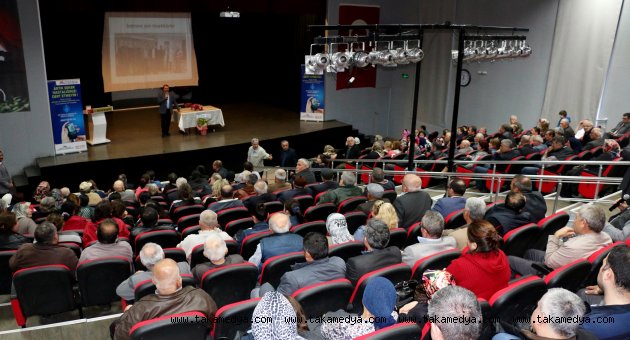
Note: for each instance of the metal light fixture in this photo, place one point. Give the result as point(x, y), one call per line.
point(359, 59)
point(316, 64)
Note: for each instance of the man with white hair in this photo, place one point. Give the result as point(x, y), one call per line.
point(557, 316)
point(374, 193)
point(215, 250)
point(347, 189)
point(208, 225)
point(170, 298)
point(125, 194)
point(262, 196)
point(303, 168)
point(150, 254)
point(474, 211)
point(413, 203)
point(279, 181)
point(565, 129)
point(431, 240)
point(596, 139)
point(454, 303)
point(567, 244)
point(352, 150)
point(538, 143)
point(281, 242)
point(257, 155)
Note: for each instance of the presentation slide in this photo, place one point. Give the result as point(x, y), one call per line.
point(147, 50)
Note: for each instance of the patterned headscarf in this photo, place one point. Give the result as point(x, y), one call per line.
point(338, 228)
point(434, 280)
point(42, 191)
point(276, 318)
point(21, 209)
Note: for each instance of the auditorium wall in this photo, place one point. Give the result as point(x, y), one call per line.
point(27, 135)
point(505, 88)
point(615, 97)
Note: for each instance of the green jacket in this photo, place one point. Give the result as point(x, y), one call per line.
point(337, 195)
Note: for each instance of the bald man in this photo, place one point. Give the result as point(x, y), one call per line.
point(125, 194)
point(413, 203)
point(171, 298)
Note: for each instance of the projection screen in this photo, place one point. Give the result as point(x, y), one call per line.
point(147, 50)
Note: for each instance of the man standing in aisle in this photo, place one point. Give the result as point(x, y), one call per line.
point(6, 183)
point(168, 102)
point(256, 155)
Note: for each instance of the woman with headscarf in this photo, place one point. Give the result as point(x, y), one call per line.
point(24, 214)
point(274, 318)
point(337, 227)
point(42, 190)
point(379, 302)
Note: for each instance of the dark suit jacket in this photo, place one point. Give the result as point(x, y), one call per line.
point(161, 99)
point(352, 153)
point(411, 207)
point(308, 175)
point(593, 144)
point(500, 215)
point(290, 158)
point(252, 201)
point(379, 258)
point(288, 194)
point(535, 205)
point(526, 150)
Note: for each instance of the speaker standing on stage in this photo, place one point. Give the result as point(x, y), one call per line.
point(168, 102)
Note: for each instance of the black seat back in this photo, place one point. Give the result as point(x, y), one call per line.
point(98, 279)
point(231, 283)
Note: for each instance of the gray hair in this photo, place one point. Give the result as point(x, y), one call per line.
point(507, 142)
point(378, 175)
point(151, 254)
point(214, 248)
point(594, 216)
point(376, 190)
point(208, 218)
point(597, 132)
point(377, 233)
point(348, 178)
point(565, 305)
point(305, 162)
point(45, 233)
point(476, 208)
point(564, 120)
point(180, 181)
point(281, 174)
point(450, 303)
point(275, 225)
point(433, 223)
point(261, 187)
point(537, 138)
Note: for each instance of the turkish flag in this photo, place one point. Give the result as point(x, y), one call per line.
point(357, 15)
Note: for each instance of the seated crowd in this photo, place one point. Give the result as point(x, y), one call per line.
point(120, 223)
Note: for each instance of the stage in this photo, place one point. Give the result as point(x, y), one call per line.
point(136, 144)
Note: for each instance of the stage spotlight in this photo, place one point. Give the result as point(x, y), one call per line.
point(315, 64)
point(400, 56)
point(359, 59)
point(340, 61)
point(383, 57)
point(415, 55)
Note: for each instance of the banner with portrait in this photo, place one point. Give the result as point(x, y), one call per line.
point(66, 110)
point(312, 97)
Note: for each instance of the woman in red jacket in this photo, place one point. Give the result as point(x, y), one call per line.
point(484, 268)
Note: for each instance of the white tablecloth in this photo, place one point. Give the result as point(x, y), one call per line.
point(188, 117)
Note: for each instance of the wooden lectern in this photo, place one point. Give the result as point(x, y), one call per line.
point(97, 125)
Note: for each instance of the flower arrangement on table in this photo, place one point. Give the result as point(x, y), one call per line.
point(196, 107)
point(202, 125)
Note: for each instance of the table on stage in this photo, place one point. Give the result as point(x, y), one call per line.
point(188, 117)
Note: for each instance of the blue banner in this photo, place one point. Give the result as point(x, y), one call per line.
point(312, 97)
point(66, 111)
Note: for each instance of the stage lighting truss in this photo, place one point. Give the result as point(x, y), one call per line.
point(501, 48)
point(338, 57)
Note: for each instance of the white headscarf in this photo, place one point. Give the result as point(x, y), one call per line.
point(338, 228)
point(277, 313)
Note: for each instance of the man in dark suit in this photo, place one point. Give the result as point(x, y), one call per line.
point(167, 101)
point(262, 196)
point(227, 200)
point(411, 206)
point(352, 150)
point(376, 256)
point(596, 139)
point(525, 147)
point(287, 156)
point(327, 184)
point(454, 199)
point(534, 200)
point(509, 215)
point(298, 190)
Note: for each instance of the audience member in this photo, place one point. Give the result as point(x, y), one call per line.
point(215, 250)
point(107, 244)
point(208, 225)
point(260, 224)
point(279, 182)
point(374, 193)
point(454, 199)
point(248, 188)
point(227, 200)
point(621, 128)
point(171, 298)
point(510, 214)
point(293, 209)
point(282, 319)
point(217, 167)
point(57, 221)
point(474, 211)
point(413, 203)
point(299, 189)
point(303, 168)
point(352, 150)
point(376, 256)
point(9, 236)
point(379, 303)
point(378, 176)
point(610, 152)
point(150, 255)
point(256, 154)
point(327, 184)
point(24, 214)
point(347, 189)
point(281, 242)
point(46, 251)
point(287, 156)
point(262, 196)
point(383, 211)
point(431, 241)
point(149, 219)
point(483, 269)
point(337, 228)
point(451, 303)
point(535, 203)
point(596, 139)
point(125, 194)
point(505, 153)
point(567, 244)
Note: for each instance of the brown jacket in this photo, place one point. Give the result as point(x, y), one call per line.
point(187, 299)
point(31, 255)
